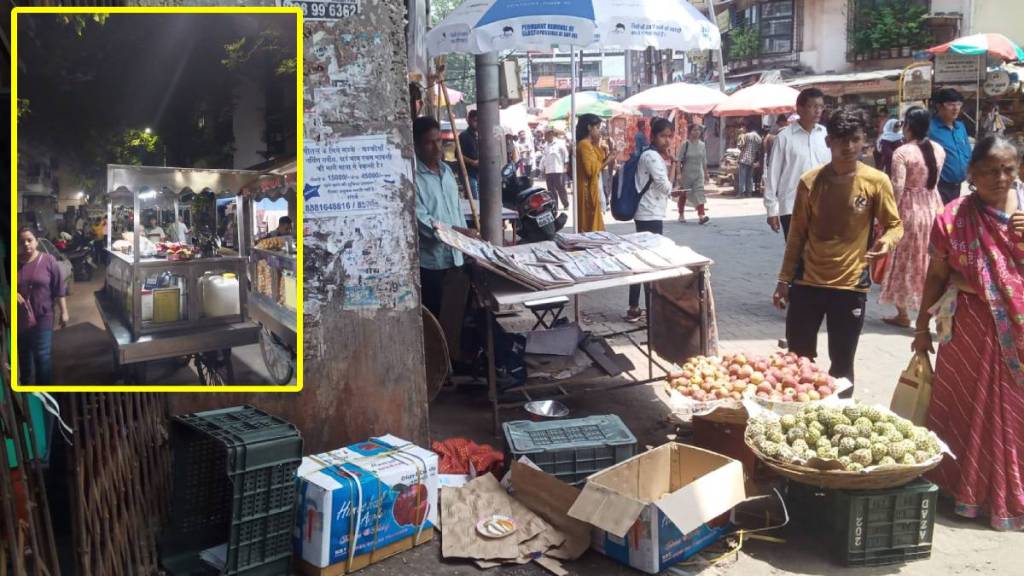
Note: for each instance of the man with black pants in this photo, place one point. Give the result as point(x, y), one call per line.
point(469, 142)
point(437, 203)
point(798, 148)
point(825, 272)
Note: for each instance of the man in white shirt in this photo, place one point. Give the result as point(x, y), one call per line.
point(553, 162)
point(798, 148)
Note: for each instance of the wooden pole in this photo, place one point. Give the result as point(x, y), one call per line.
point(458, 148)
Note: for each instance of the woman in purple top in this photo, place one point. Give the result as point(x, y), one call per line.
point(39, 286)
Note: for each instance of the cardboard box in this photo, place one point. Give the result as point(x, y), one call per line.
point(386, 485)
point(659, 508)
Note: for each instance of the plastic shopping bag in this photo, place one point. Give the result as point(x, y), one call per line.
point(914, 390)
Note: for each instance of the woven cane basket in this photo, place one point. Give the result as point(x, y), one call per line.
point(877, 479)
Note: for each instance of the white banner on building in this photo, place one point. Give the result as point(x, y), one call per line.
point(956, 69)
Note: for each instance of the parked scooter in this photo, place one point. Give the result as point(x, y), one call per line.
point(537, 209)
point(79, 251)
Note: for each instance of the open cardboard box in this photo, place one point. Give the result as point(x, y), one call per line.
point(660, 507)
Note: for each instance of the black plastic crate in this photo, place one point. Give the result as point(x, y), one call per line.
point(870, 527)
point(572, 449)
point(234, 484)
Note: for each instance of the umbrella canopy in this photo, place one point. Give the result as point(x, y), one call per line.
point(454, 94)
point(600, 103)
point(692, 98)
point(479, 26)
point(758, 99)
point(978, 44)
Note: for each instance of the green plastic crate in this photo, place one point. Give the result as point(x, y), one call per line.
point(871, 527)
point(573, 449)
point(234, 483)
point(41, 424)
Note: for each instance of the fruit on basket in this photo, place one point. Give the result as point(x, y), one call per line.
point(705, 378)
point(854, 437)
point(779, 377)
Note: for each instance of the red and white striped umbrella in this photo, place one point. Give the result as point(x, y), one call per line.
point(758, 99)
point(692, 98)
point(978, 44)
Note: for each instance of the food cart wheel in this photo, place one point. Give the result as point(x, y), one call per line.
point(214, 368)
point(277, 358)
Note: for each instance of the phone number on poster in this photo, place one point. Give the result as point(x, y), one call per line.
point(325, 10)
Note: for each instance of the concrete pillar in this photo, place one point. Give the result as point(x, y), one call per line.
point(491, 138)
point(363, 333)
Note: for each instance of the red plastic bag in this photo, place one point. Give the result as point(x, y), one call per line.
point(456, 454)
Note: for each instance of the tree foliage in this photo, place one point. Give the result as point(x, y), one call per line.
point(266, 43)
point(80, 21)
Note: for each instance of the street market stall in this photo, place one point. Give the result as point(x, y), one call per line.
point(272, 271)
point(536, 276)
point(165, 299)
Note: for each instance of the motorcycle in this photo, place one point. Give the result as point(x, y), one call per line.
point(539, 219)
point(79, 251)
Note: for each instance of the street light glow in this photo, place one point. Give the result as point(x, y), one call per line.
point(148, 131)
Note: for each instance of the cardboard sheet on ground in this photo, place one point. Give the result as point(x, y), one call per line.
point(462, 508)
point(551, 499)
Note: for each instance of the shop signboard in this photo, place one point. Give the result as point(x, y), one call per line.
point(917, 83)
point(956, 69)
point(997, 83)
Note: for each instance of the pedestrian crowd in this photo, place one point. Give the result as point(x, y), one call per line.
point(939, 252)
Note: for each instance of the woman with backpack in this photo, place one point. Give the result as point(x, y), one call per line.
point(692, 165)
point(655, 187)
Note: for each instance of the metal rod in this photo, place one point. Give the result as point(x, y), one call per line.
point(721, 83)
point(458, 148)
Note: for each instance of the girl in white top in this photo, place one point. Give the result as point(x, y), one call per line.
point(653, 174)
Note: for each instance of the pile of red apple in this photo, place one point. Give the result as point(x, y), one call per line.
point(779, 377)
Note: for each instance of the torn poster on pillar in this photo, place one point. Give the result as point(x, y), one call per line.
point(353, 215)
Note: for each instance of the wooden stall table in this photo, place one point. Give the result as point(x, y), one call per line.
point(499, 293)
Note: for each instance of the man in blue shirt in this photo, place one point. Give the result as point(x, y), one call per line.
point(437, 202)
point(951, 134)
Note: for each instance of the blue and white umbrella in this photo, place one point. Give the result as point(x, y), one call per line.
point(479, 26)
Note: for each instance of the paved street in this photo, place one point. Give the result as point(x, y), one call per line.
point(747, 255)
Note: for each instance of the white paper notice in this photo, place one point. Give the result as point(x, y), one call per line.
point(349, 175)
point(353, 212)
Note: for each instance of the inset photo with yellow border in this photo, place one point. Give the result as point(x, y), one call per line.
point(156, 228)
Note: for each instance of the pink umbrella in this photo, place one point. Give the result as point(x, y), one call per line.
point(454, 94)
point(759, 99)
point(692, 98)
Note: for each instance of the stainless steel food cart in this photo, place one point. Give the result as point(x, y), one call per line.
point(189, 304)
point(273, 274)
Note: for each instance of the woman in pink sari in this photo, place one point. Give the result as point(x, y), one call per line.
point(915, 172)
point(975, 288)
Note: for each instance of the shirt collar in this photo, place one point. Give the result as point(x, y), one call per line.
point(938, 123)
point(817, 128)
point(421, 168)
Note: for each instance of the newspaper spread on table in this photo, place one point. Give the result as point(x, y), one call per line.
point(573, 258)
